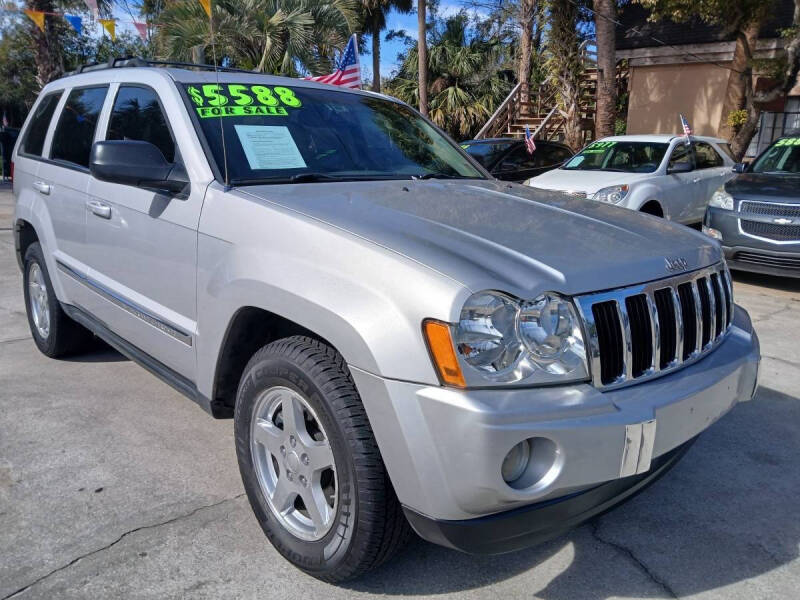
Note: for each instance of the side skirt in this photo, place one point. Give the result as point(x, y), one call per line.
point(157, 368)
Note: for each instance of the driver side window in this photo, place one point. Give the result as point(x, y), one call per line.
point(681, 154)
point(137, 115)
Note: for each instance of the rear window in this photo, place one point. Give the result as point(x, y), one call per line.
point(487, 154)
point(72, 140)
point(37, 130)
point(626, 157)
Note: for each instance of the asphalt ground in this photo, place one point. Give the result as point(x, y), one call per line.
point(112, 485)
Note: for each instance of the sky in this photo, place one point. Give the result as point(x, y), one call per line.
point(408, 23)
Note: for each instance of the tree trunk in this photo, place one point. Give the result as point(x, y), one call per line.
point(735, 96)
point(47, 44)
point(606, 115)
point(753, 101)
point(566, 67)
point(376, 56)
point(527, 10)
point(422, 51)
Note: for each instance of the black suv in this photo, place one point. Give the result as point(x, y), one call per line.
point(756, 215)
point(508, 158)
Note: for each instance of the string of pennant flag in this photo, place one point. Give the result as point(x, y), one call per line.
point(76, 22)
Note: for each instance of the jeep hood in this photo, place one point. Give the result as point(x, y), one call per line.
point(491, 234)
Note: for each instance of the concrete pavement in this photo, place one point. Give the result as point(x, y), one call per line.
point(112, 485)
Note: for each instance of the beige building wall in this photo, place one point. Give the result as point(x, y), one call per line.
point(658, 94)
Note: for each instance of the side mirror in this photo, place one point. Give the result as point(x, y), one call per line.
point(136, 163)
point(683, 167)
point(739, 168)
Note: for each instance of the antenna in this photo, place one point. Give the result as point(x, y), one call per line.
point(216, 70)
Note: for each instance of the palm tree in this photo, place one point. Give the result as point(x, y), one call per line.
point(465, 83)
point(605, 30)
point(374, 14)
point(565, 67)
point(422, 58)
point(288, 37)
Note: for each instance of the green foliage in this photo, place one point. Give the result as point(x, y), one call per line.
point(465, 80)
point(732, 15)
point(736, 119)
point(288, 37)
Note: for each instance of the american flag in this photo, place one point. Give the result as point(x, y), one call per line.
point(687, 129)
point(348, 72)
point(529, 143)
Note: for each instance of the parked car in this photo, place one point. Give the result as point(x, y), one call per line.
point(756, 215)
point(656, 174)
point(402, 340)
point(508, 158)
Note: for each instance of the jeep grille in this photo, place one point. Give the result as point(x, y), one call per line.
point(640, 332)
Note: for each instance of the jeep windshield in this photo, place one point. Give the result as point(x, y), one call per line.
point(261, 134)
point(626, 157)
point(783, 158)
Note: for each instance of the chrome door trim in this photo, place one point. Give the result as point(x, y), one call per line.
point(128, 306)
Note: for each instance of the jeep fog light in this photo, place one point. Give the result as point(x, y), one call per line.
point(516, 461)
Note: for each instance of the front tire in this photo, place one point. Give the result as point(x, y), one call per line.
point(54, 333)
point(310, 464)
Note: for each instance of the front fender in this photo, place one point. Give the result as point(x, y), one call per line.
point(367, 301)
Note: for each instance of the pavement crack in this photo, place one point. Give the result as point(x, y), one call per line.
point(781, 360)
point(595, 528)
point(117, 541)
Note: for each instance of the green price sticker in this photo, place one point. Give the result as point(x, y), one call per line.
point(237, 100)
point(788, 142)
point(597, 146)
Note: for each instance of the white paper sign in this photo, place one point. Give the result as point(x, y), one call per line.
point(269, 147)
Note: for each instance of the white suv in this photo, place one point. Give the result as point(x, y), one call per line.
point(660, 175)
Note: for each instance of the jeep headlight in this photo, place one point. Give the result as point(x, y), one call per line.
point(721, 199)
point(613, 195)
point(502, 340)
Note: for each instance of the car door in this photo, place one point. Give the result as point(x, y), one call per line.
point(144, 243)
point(62, 180)
point(712, 171)
point(680, 191)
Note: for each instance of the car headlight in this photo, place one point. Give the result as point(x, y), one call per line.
point(502, 340)
point(721, 199)
point(613, 195)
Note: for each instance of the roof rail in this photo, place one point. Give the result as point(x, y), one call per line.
point(136, 61)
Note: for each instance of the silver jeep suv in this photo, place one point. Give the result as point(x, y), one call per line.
point(403, 341)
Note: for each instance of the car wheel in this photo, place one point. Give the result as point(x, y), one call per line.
point(54, 333)
point(310, 464)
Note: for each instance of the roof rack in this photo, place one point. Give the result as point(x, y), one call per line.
point(136, 61)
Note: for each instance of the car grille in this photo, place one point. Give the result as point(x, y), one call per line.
point(770, 209)
point(767, 260)
point(771, 231)
point(644, 331)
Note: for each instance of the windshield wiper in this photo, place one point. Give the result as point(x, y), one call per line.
point(312, 177)
point(440, 176)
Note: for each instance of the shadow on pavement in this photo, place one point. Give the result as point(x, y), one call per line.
point(96, 352)
point(728, 512)
point(786, 284)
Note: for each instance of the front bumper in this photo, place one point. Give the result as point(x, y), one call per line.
point(542, 521)
point(443, 448)
point(747, 253)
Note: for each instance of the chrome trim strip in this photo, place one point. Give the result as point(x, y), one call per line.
point(585, 303)
point(698, 326)
point(128, 306)
point(676, 304)
point(712, 311)
point(655, 332)
point(627, 344)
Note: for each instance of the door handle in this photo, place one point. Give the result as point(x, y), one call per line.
point(101, 209)
point(41, 187)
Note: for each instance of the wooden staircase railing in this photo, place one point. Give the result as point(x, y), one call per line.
point(524, 107)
